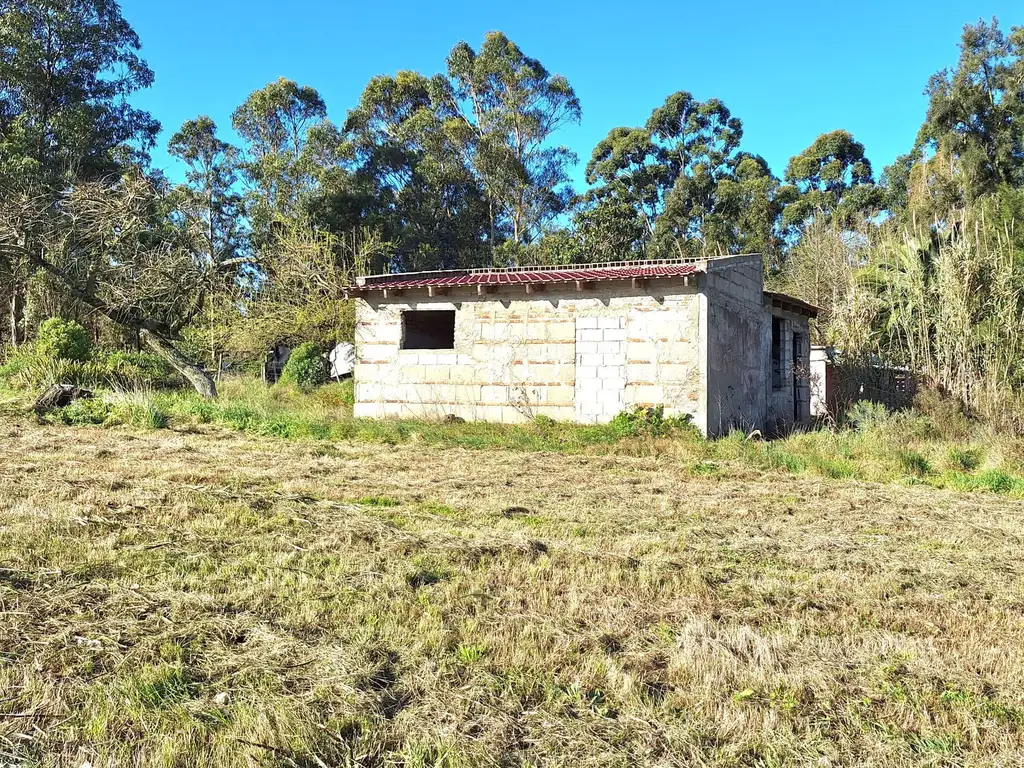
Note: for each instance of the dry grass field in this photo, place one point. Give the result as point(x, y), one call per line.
point(205, 598)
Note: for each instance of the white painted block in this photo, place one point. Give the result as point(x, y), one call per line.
point(617, 359)
point(587, 347)
point(584, 385)
point(611, 371)
point(609, 322)
point(590, 360)
point(587, 371)
point(614, 334)
point(586, 322)
point(610, 348)
point(618, 383)
point(493, 394)
point(589, 335)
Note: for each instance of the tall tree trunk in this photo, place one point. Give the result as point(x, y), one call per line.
point(196, 376)
point(17, 313)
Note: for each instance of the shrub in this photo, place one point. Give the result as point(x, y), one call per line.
point(867, 414)
point(133, 369)
point(60, 339)
point(84, 412)
point(307, 367)
point(649, 421)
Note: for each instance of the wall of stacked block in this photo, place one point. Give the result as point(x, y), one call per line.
point(571, 355)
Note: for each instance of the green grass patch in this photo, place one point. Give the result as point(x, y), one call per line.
point(913, 462)
point(993, 480)
point(890, 448)
point(378, 501)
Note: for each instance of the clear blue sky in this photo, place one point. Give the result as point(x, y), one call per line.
point(789, 70)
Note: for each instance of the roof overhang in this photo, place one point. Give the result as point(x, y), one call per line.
point(788, 303)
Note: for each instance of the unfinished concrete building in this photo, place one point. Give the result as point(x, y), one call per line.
point(583, 343)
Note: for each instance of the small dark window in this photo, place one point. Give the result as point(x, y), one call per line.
point(776, 353)
point(431, 329)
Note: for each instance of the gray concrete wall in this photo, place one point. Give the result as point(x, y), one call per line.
point(581, 356)
point(738, 345)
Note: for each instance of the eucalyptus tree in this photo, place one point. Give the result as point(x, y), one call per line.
point(748, 210)
point(67, 68)
point(972, 139)
point(208, 206)
point(686, 182)
point(208, 201)
point(508, 106)
point(411, 178)
point(832, 178)
point(280, 170)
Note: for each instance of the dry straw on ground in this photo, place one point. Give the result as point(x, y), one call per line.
point(210, 599)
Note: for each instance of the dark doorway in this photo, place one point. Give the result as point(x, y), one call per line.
point(776, 353)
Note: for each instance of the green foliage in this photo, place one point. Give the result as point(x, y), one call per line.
point(779, 458)
point(867, 414)
point(975, 118)
point(26, 369)
point(429, 203)
point(135, 369)
point(69, 68)
point(280, 167)
point(208, 202)
point(140, 409)
point(307, 368)
point(509, 106)
point(991, 480)
point(469, 653)
point(832, 178)
point(60, 339)
point(680, 186)
point(650, 422)
point(913, 462)
point(84, 412)
point(341, 394)
point(965, 459)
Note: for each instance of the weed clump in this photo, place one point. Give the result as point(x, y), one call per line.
point(307, 368)
point(650, 421)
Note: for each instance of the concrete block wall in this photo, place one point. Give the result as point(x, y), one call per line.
point(565, 354)
point(739, 345)
point(600, 367)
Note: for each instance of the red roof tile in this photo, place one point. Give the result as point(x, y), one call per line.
point(520, 275)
